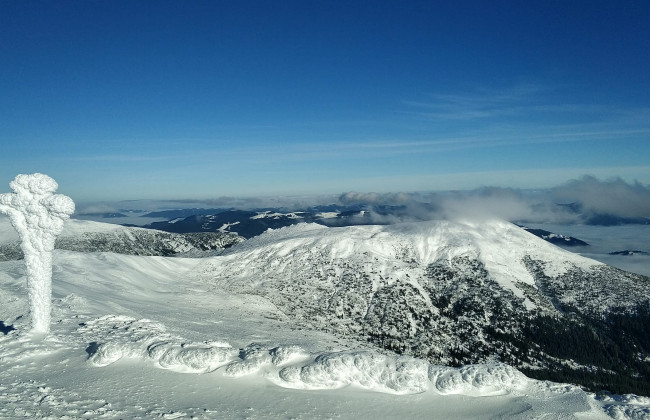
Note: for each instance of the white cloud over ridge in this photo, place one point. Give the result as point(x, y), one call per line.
point(615, 197)
point(577, 201)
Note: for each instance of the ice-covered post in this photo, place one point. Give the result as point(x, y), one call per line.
point(38, 215)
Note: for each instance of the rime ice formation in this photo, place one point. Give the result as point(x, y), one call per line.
point(38, 215)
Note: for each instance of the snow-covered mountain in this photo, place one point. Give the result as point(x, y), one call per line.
point(373, 314)
point(252, 223)
point(244, 223)
point(89, 236)
point(450, 292)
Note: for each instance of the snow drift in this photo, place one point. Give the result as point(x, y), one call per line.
point(118, 337)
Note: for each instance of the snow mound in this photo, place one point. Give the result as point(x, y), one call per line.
point(288, 354)
point(190, 358)
point(626, 407)
point(477, 379)
point(399, 375)
point(627, 412)
point(116, 337)
point(255, 357)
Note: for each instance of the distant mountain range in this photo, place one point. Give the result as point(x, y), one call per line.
point(249, 224)
point(555, 238)
point(628, 252)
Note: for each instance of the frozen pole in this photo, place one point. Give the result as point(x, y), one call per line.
point(38, 215)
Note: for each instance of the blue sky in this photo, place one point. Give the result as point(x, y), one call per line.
point(195, 99)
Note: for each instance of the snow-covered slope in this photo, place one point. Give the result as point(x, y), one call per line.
point(89, 236)
point(451, 292)
point(394, 250)
point(145, 337)
point(330, 261)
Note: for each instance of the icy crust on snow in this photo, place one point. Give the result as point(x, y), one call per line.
point(627, 412)
point(115, 337)
point(401, 375)
point(290, 366)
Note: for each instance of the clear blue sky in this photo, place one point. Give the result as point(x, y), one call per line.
point(191, 99)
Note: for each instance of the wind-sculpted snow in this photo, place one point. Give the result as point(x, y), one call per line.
point(255, 358)
point(627, 412)
point(367, 369)
point(626, 407)
point(117, 337)
point(485, 379)
point(292, 367)
point(37, 214)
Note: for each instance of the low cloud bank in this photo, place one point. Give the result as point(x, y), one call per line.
point(585, 200)
point(614, 197)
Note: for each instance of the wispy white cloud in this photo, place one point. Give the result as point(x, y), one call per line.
point(479, 104)
point(520, 104)
point(121, 158)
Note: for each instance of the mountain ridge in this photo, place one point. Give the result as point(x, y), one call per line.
point(89, 236)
